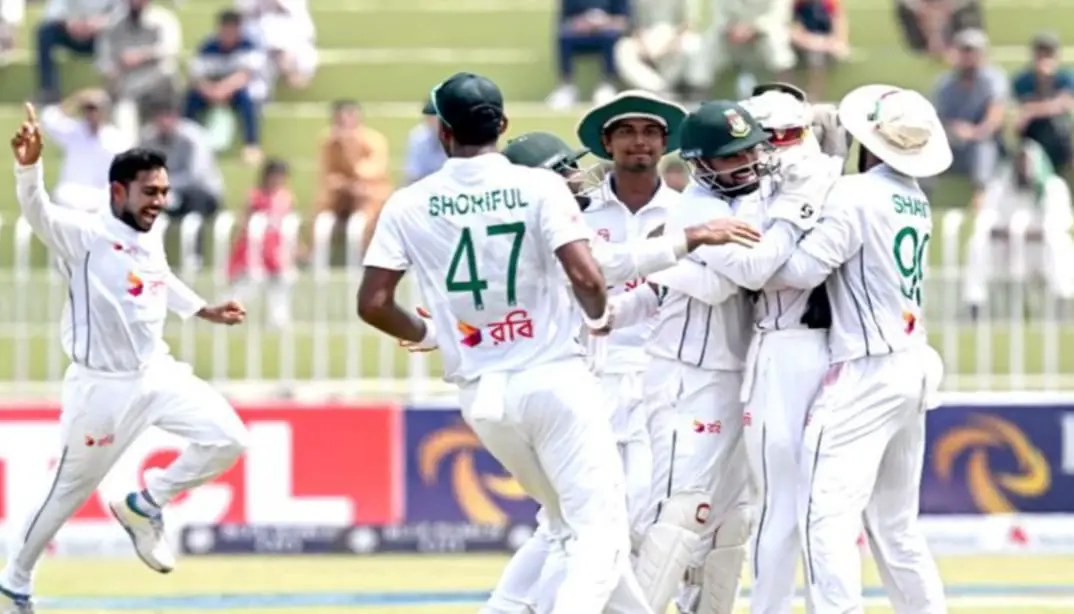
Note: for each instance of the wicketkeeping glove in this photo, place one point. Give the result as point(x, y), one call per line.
point(803, 190)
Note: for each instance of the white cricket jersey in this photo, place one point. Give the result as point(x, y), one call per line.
point(481, 235)
point(776, 307)
point(711, 337)
point(871, 245)
point(614, 222)
point(120, 286)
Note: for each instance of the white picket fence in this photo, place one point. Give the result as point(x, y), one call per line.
point(325, 348)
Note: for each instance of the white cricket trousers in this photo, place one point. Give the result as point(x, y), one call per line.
point(101, 415)
point(551, 431)
point(783, 375)
point(862, 457)
point(520, 584)
point(695, 421)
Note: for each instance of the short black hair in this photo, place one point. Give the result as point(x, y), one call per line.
point(162, 105)
point(345, 104)
point(229, 18)
point(126, 166)
point(274, 166)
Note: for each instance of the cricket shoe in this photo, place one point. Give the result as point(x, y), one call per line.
point(14, 603)
point(146, 531)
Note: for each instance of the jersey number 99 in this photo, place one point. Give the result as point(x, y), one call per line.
point(473, 283)
point(909, 251)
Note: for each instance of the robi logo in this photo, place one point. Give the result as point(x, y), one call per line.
point(708, 427)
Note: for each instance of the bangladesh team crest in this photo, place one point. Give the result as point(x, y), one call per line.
point(738, 124)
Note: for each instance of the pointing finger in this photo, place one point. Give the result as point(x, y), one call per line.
point(31, 113)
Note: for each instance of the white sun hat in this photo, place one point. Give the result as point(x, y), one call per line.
point(898, 126)
point(776, 110)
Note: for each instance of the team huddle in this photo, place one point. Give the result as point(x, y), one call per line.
point(685, 381)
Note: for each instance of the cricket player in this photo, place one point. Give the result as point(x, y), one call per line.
point(786, 361)
point(699, 349)
point(491, 243)
point(520, 587)
point(864, 437)
point(122, 378)
point(1029, 184)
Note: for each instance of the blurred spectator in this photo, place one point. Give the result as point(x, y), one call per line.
point(970, 99)
point(12, 13)
point(588, 27)
point(424, 153)
point(220, 76)
point(1027, 184)
point(676, 175)
point(79, 128)
point(931, 25)
point(661, 53)
point(273, 199)
point(821, 36)
point(139, 57)
point(72, 25)
point(1045, 93)
point(354, 171)
point(286, 30)
point(197, 184)
point(750, 36)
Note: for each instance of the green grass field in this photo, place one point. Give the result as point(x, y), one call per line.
point(389, 584)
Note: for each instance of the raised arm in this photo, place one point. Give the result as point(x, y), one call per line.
point(623, 262)
point(696, 281)
point(65, 231)
point(834, 240)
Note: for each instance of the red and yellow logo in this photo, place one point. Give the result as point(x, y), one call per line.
point(471, 337)
point(136, 286)
point(910, 320)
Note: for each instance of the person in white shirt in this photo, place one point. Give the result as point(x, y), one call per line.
point(88, 143)
point(536, 568)
point(1030, 185)
point(122, 378)
point(864, 439)
point(286, 30)
point(486, 239)
point(633, 131)
point(698, 347)
point(785, 364)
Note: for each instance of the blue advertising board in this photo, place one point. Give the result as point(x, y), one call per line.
point(450, 477)
point(997, 459)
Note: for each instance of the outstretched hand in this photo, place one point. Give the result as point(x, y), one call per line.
point(27, 142)
point(228, 314)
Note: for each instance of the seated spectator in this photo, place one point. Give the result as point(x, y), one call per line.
point(970, 99)
point(1026, 184)
point(676, 175)
point(285, 29)
point(930, 26)
point(12, 13)
point(272, 198)
point(1045, 94)
point(72, 25)
point(197, 183)
point(354, 167)
point(750, 36)
point(139, 58)
point(661, 52)
point(424, 153)
point(79, 128)
point(588, 27)
point(220, 76)
point(820, 35)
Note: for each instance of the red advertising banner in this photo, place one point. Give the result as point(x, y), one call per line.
point(332, 465)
